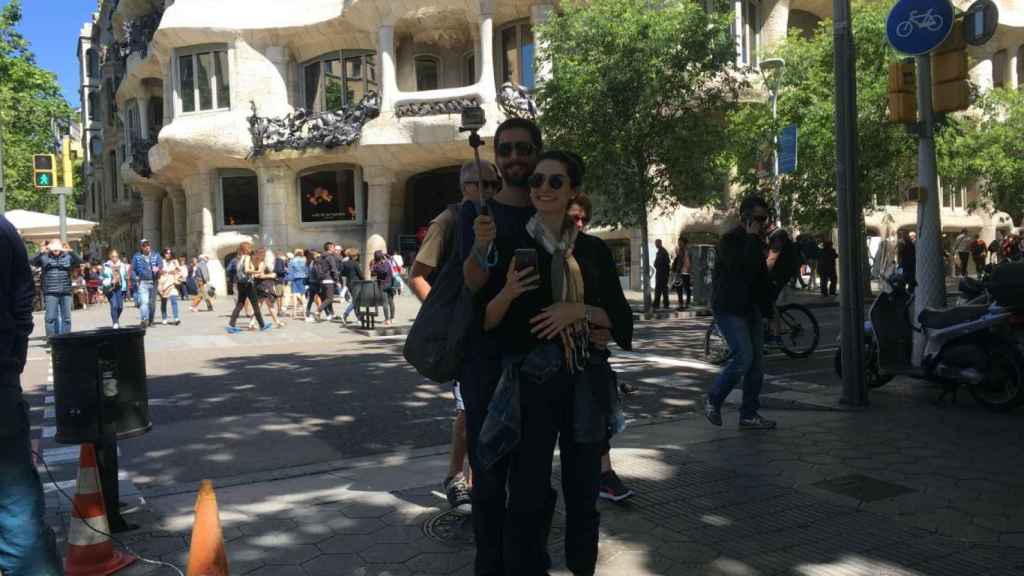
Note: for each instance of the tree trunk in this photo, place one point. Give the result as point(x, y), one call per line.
point(645, 257)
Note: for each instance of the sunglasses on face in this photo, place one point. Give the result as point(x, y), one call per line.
point(522, 149)
point(555, 181)
point(760, 219)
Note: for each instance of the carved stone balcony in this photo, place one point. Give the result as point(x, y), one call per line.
point(301, 129)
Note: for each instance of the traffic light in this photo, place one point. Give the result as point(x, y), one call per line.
point(902, 97)
point(949, 72)
point(44, 170)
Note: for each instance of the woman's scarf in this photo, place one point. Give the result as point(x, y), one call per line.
point(566, 286)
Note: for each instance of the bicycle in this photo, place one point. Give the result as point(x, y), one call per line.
point(922, 20)
point(799, 335)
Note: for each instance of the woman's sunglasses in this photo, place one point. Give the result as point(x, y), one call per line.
point(521, 148)
point(555, 181)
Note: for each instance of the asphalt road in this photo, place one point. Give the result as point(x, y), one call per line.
point(228, 406)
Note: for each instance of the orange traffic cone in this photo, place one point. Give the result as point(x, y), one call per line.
point(206, 556)
point(90, 551)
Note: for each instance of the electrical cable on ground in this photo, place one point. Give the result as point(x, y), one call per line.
point(113, 538)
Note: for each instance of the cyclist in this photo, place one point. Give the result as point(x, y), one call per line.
point(784, 261)
point(742, 296)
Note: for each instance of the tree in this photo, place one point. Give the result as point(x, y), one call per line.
point(29, 98)
point(886, 153)
point(640, 93)
point(986, 146)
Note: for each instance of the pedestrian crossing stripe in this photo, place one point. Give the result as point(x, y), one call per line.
point(49, 412)
point(49, 399)
point(49, 431)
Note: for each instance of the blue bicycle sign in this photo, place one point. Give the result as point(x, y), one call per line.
point(918, 26)
point(927, 20)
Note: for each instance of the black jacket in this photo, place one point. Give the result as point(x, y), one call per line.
point(56, 271)
point(662, 262)
point(351, 272)
point(17, 294)
point(741, 281)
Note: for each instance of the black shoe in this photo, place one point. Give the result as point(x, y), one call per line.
point(756, 422)
point(612, 487)
point(457, 492)
point(627, 389)
point(714, 415)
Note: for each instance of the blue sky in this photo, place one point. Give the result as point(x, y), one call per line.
point(52, 27)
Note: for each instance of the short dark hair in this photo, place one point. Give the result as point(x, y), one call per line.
point(572, 168)
point(327, 245)
point(751, 202)
point(523, 124)
point(583, 201)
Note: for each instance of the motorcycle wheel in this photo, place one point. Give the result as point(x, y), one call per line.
point(716, 349)
point(1003, 387)
point(871, 376)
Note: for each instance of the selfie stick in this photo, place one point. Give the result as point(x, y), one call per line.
point(473, 119)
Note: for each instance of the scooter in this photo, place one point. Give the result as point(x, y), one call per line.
point(970, 345)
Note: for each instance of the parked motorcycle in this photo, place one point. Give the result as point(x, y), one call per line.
point(971, 345)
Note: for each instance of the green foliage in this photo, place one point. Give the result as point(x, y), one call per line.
point(985, 145)
point(885, 154)
point(639, 91)
point(29, 97)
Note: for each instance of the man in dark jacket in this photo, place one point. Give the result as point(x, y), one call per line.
point(27, 545)
point(662, 265)
point(56, 265)
point(827, 269)
point(741, 299)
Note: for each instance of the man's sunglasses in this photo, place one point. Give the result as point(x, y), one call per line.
point(521, 148)
point(580, 218)
point(555, 181)
point(760, 219)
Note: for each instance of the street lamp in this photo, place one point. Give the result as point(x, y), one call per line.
point(772, 70)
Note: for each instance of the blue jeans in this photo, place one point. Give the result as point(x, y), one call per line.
point(27, 545)
point(116, 298)
point(174, 305)
point(146, 302)
point(745, 336)
point(58, 313)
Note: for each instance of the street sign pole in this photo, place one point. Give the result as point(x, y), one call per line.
point(931, 283)
point(62, 203)
point(851, 244)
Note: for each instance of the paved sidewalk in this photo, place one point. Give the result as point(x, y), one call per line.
point(902, 489)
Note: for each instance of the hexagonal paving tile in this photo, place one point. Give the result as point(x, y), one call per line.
point(435, 563)
point(347, 543)
point(388, 553)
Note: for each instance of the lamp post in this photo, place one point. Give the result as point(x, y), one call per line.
point(772, 70)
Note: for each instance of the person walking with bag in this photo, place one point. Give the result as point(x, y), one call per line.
point(298, 273)
point(681, 268)
point(167, 287)
point(114, 280)
point(146, 266)
point(383, 273)
point(201, 277)
point(245, 278)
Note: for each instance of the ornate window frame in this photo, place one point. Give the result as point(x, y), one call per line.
point(520, 26)
point(369, 63)
point(219, 224)
point(438, 63)
point(360, 198)
point(192, 52)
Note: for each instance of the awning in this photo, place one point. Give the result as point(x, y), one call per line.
point(38, 227)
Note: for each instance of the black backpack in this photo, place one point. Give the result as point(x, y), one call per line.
point(436, 343)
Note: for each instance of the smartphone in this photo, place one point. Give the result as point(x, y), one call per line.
point(526, 258)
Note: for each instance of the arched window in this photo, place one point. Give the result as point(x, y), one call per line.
point(338, 79)
point(239, 199)
point(999, 69)
point(155, 116)
point(328, 194)
point(94, 105)
point(92, 63)
point(203, 79)
point(428, 72)
point(517, 53)
point(469, 76)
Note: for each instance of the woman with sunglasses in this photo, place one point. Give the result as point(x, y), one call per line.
point(742, 298)
point(167, 287)
point(545, 314)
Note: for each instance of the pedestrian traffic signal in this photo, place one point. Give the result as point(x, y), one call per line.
point(44, 172)
point(949, 72)
point(902, 98)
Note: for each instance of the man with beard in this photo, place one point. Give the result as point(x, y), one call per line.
point(488, 243)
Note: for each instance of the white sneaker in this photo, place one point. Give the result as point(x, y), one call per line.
point(310, 319)
point(164, 322)
point(329, 317)
point(116, 326)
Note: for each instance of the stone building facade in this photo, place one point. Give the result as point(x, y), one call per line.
point(292, 123)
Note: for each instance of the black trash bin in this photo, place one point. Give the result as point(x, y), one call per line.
point(99, 376)
point(367, 297)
